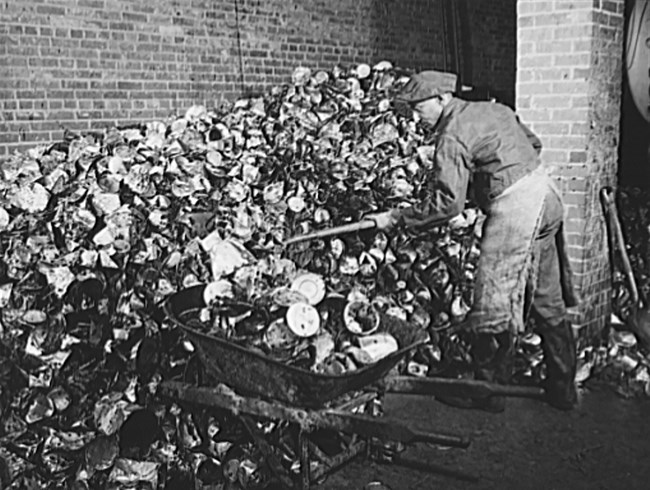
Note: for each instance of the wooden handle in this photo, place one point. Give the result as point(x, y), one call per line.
point(470, 388)
point(627, 266)
point(384, 428)
point(366, 224)
point(617, 232)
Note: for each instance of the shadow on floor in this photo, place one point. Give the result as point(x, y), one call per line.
point(604, 444)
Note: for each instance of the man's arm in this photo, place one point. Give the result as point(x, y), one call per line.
point(446, 190)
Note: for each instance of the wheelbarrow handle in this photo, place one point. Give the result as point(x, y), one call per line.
point(342, 421)
point(465, 388)
point(384, 428)
point(366, 224)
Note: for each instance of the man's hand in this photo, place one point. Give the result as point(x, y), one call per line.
point(385, 221)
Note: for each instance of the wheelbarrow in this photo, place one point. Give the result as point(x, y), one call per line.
point(252, 385)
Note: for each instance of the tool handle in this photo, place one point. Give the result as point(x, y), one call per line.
point(627, 266)
point(466, 388)
point(366, 224)
point(450, 440)
point(385, 429)
point(617, 231)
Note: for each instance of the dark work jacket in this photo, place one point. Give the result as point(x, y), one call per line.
point(481, 142)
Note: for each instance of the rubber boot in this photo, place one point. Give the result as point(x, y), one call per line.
point(493, 362)
point(558, 345)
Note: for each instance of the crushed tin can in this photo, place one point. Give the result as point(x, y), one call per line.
point(417, 369)
point(278, 335)
point(285, 297)
point(248, 474)
point(378, 345)
point(231, 470)
point(361, 318)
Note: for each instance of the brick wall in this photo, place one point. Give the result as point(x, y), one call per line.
point(82, 64)
point(568, 88)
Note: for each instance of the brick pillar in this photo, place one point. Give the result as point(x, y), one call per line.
point(569, 75)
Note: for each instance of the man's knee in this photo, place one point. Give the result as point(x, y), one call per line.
point(549, 316)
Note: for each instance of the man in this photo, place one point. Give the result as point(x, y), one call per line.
point(523, 270)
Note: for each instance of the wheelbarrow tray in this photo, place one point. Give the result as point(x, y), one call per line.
point(253, 373)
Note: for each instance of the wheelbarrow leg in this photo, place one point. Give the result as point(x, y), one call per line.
point(303, 443)
point(331, 463)
point(264, 447)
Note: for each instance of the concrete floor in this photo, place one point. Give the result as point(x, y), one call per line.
point(603, 444)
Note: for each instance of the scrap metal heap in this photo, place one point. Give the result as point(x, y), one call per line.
point(98, 230)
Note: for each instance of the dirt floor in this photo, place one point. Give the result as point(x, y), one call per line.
point(604, 444)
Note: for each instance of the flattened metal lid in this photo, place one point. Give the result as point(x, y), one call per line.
point(312, 286)
point(303, 319)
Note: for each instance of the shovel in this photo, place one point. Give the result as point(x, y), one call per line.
point(366, 224)
point(617, 241)
point(640, 316)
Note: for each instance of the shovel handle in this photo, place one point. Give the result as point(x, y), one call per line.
point(366, 224)
point(617, 231)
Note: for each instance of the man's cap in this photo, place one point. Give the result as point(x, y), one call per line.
point(427, 84)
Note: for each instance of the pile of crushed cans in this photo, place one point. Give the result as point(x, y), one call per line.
point(98, 229)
